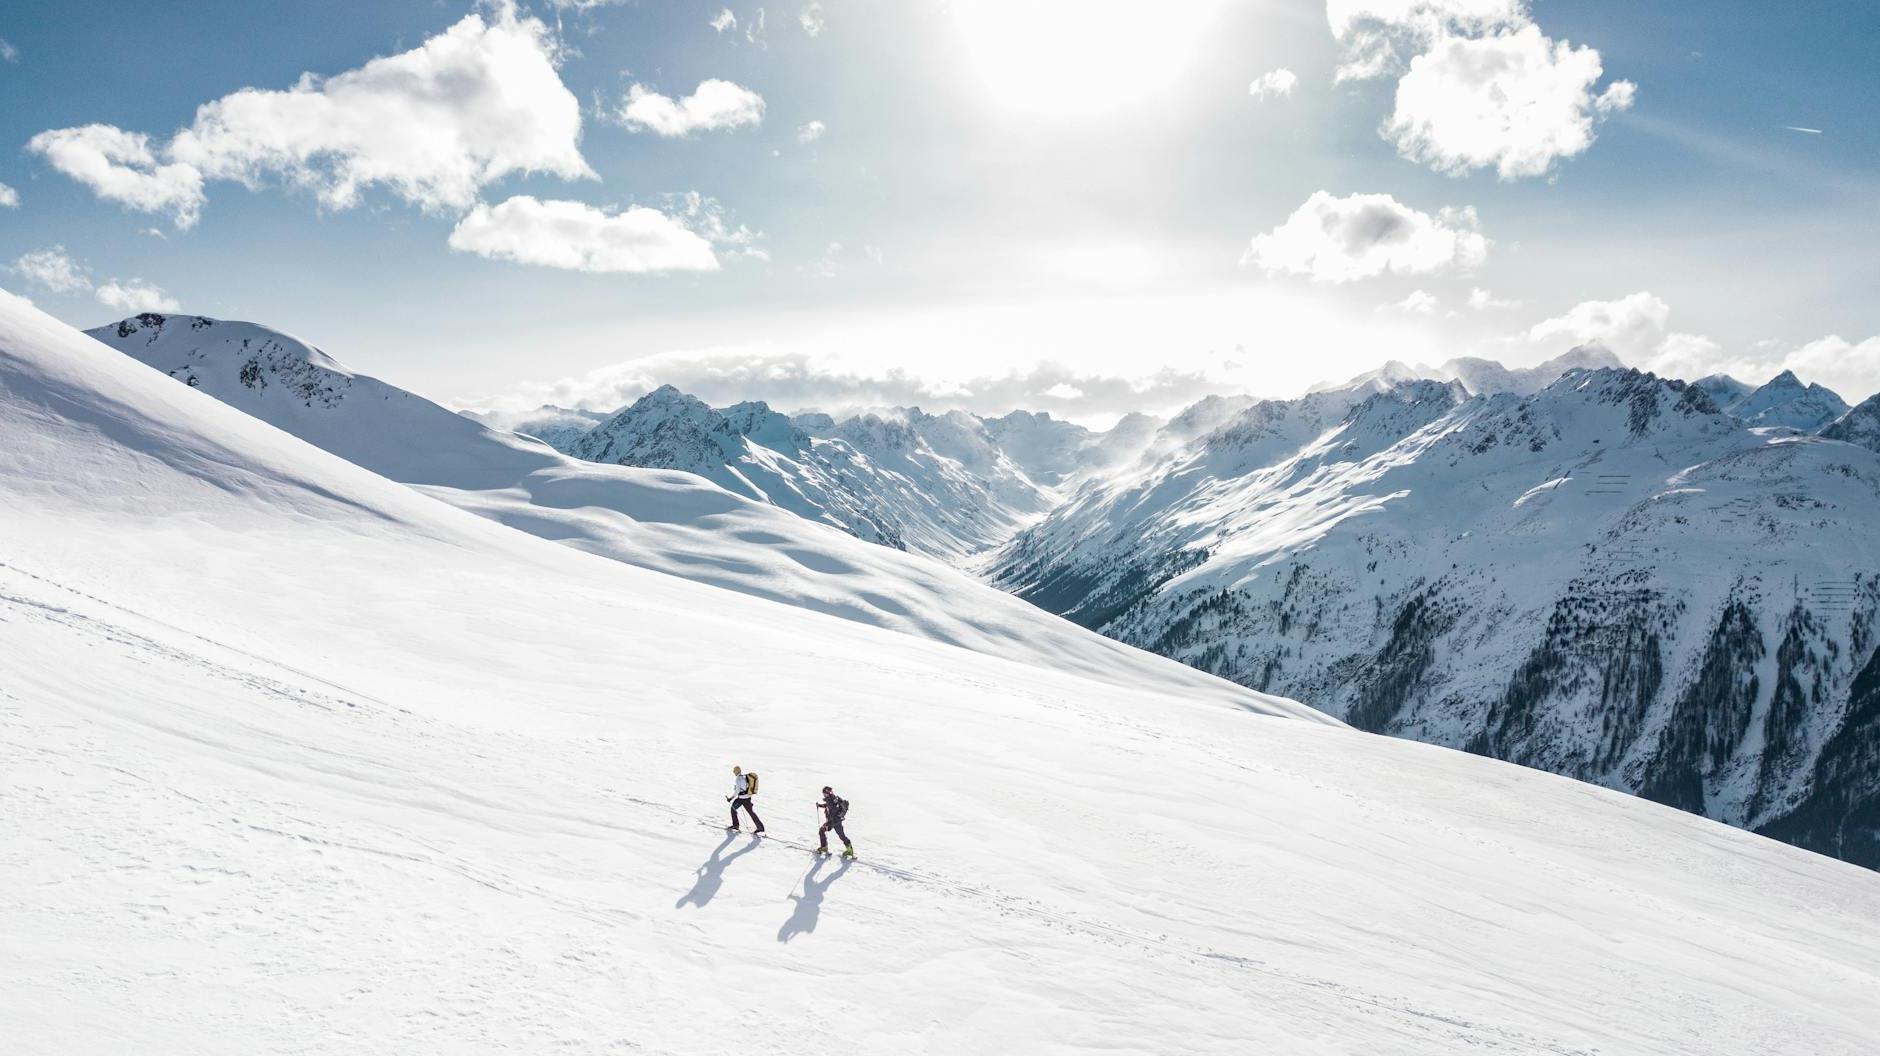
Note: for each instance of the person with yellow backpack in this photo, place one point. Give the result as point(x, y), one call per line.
point(743, 792)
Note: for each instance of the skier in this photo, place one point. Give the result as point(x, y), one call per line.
point(834, 809)
point(743, 791)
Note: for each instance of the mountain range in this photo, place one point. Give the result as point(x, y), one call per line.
point(1667, 589)
point(299, 755)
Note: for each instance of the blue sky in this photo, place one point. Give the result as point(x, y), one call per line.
point(1072, 206)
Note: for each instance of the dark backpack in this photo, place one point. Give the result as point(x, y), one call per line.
point(838, 808)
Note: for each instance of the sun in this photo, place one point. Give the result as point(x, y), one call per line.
point(1070, 58)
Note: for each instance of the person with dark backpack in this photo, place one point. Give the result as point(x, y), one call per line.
point(834, 809)
point(743, 792)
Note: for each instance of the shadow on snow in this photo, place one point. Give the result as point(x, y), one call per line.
point(809, 904)
point(711, 874)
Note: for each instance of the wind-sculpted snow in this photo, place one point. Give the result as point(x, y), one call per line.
point(1611, 579)
point(297, 758)
point(672, 522)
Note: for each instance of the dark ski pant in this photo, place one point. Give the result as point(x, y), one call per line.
point(822, 835)
point(748, 809)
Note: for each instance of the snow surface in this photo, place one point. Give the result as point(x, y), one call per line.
point(673, 522)
point(298, 758)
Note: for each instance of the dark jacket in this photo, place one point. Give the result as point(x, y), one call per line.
point(834, 808)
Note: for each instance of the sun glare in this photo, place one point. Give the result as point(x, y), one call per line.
point(1064, 58)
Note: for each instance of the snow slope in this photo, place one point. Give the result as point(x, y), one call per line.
point(297, 758)
point(1609, 579)
point(672, 522)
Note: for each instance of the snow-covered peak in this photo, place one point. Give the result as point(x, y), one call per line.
point(1724, 389)
point(558, 427)
point(764, 426)
point(875, 433)
point(1644, 402)
point(1860, 425)
point(189, 345)
point(664, 429)
point(1205, 415)
point(1786, 401)
point(815, 423)
point(1049, 449)
point(1483, 376)
point(1388, 416)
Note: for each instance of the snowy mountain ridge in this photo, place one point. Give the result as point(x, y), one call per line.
point(301, 758)
point(1484, 376)
point(1406, 481)
point(1611, 579)
point(1785, 401)
point(950, 486)
point(670, 522)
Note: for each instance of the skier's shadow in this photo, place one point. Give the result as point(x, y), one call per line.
point(809, 904)
point(711, 875)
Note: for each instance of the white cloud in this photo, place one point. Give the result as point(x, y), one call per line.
point(714, 105)
point(827, 265)
point(8, 53)
point(578, 237)
point(754, 27)
point(1482, 300)
point(1376, 34)
point(1851, 369)
point(1332, 239)
point(9, 198)
point(1514, 101)
point(812, 20)
point(1273, 83)
point(135, 295)
point(120, 166)
point(810, 132)
point(1417, 303)
point(1480, 85)
point(435, 124)
point(723, 20)
point(52, 269)
point(1636, 328)
point(1633, 327)
point(795, 380)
